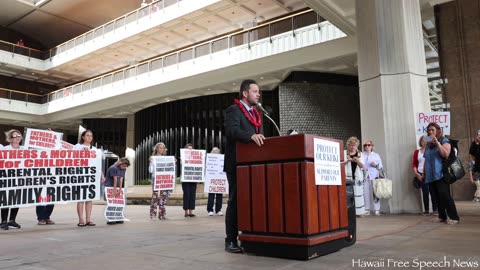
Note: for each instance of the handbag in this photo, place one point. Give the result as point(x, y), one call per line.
point(452, 167)
point(382, 186)
point(454, 171)
point(416, 183)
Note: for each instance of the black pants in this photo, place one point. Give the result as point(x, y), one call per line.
point(231, 218)
point(13, 214)
point(426, 190)
point(446, 205)
point(189, 192)
point(44, 212)
point(218, 197)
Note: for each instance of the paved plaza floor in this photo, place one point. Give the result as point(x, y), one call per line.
point(198, 243)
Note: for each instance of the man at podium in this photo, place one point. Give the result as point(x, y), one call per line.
point(242, 124)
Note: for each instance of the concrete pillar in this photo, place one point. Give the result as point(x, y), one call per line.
point(130, 150)
point(393, 88)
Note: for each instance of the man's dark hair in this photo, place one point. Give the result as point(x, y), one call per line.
point(245, 86)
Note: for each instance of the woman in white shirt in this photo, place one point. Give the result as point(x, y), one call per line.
point(85, 143)
point(373, 163)
point(418, 165)
point(13, 137)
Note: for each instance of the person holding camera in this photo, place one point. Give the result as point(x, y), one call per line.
point(438, 148)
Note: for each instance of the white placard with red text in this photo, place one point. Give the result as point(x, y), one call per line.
point(215, 177)
point(193, 165)
point(42, 139)
point(327, 162)
point(31, 177)
point(425, 118)
point(67, 145)
point(115, 205)
point(163, 172)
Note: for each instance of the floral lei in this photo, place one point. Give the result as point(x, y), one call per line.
point(257, 122)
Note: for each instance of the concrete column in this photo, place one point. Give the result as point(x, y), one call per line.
point(393, 88)
point(130, 150)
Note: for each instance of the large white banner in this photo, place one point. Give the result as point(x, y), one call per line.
point(327, 162)
point(114, 211)
point(42, 139)
point(193, 165)
point(215, 177)
point(163, 173)
point(38, 177)
point(425, 118)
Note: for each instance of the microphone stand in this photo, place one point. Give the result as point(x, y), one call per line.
point(275, 124)
point(259, 105)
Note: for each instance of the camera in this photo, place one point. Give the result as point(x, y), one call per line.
point(427, 139)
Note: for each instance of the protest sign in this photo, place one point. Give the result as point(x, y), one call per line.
point(36, 177)
point(425, 118)
point(114, 211)
point(163, 173)
point(42, 139)
point(215, 177)
point(67, 145)
point(193, 165)
point(327, 162)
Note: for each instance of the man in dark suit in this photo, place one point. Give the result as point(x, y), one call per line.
point(242, 124)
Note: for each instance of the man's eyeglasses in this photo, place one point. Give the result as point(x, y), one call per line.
point(16, 136)
point(365, 145)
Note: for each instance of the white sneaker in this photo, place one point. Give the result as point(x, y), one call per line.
point(210, 213)
point(367, 213)
point(377, 213)
point(219, 213)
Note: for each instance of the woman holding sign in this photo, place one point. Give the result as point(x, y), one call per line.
point(215, 196)
point(189, 192)
point(86, 139)
point(159, 198)
point(13, 137)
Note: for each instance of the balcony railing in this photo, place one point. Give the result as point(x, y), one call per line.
point(245, 37)
point(22, 96)
point(131, 17)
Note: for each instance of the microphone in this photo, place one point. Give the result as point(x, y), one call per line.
point(265, 113)
point(259, 105)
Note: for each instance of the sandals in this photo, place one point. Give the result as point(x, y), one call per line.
point(49, 222)
point(42, 222)
point(90, 224)
point(452, 222)
point(81, 225)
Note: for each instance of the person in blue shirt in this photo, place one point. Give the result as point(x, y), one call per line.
point(438, 148)
point(115, 176)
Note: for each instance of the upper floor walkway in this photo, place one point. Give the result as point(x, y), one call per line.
point(154, 29)
point(269, 51)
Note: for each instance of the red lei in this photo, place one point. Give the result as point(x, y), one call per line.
point(257, 121)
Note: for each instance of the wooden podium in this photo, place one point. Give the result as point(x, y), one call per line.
point(281, 212)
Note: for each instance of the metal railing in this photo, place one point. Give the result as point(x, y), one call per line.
point(247, 36)
point(22, 96)
point(225, 42)
point(123, 21)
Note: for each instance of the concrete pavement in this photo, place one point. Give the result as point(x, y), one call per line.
point(197, 243)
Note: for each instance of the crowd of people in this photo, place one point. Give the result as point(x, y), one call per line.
point(242, 124)
point(363, 167)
